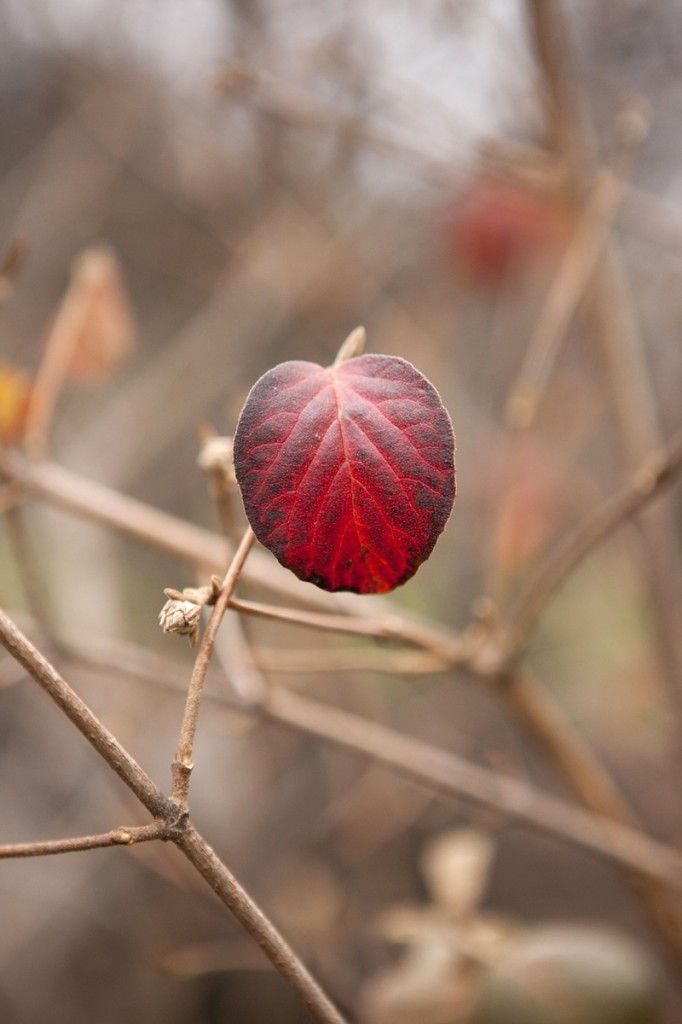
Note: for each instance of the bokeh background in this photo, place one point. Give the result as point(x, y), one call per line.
point(267, 176)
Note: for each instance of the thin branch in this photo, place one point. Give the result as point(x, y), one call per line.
point(567, 115)
point(548, 726)
point(355, 659)
point(172, 534)
point(562, 299)
point(564, 746)
point(386, 627)
point(658, 470)
point(154, 527)
point(103, 505)
point(123, 836)
point(616, 326)
point(484, 664)
point(191, 543)
point(176, 826)
point(423, 763)
point(293, 104)
point(182, 765)
point(448, 773)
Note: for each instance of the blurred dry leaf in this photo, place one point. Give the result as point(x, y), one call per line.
point(456, 866)
point(94, 323)
point(15, 391)
point(404, 923)
point(570, 973)
point(91, 334)
point(426, 987)
point(436, 980)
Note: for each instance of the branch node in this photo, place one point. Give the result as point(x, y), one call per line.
point(124, 837)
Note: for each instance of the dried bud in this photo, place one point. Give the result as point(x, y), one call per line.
point(181, 617)
point(215, 458)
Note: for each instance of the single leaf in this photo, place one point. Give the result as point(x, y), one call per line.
point(91, 334)
point(95, 317)
point(347, 473)
point(93, 330)
point(498, 230)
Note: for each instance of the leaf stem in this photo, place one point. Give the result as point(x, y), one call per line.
point(354, 345)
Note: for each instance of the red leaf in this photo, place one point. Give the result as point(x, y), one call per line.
point(499, 229)
point(347, 473)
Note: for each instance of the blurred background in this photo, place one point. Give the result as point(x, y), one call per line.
point(245, 182)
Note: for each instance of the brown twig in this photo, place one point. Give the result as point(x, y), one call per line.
point(571, 132)
point(615, 324)
point(388, 627)
point(658, 470)
point(169, 533)
point(151, 526)
point(567, 116)
point(182, 764)
point(562, 298)
point(205, 549)
point(423, 763)
point(216, 460)
point(355, 659)
point(565, 748)
point(486, 662)
point(174, 821)
point(456, 776)
point(123, 836)
point(103, 505)
point(291, 103)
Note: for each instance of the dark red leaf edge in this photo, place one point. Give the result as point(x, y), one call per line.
point(347, 473)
